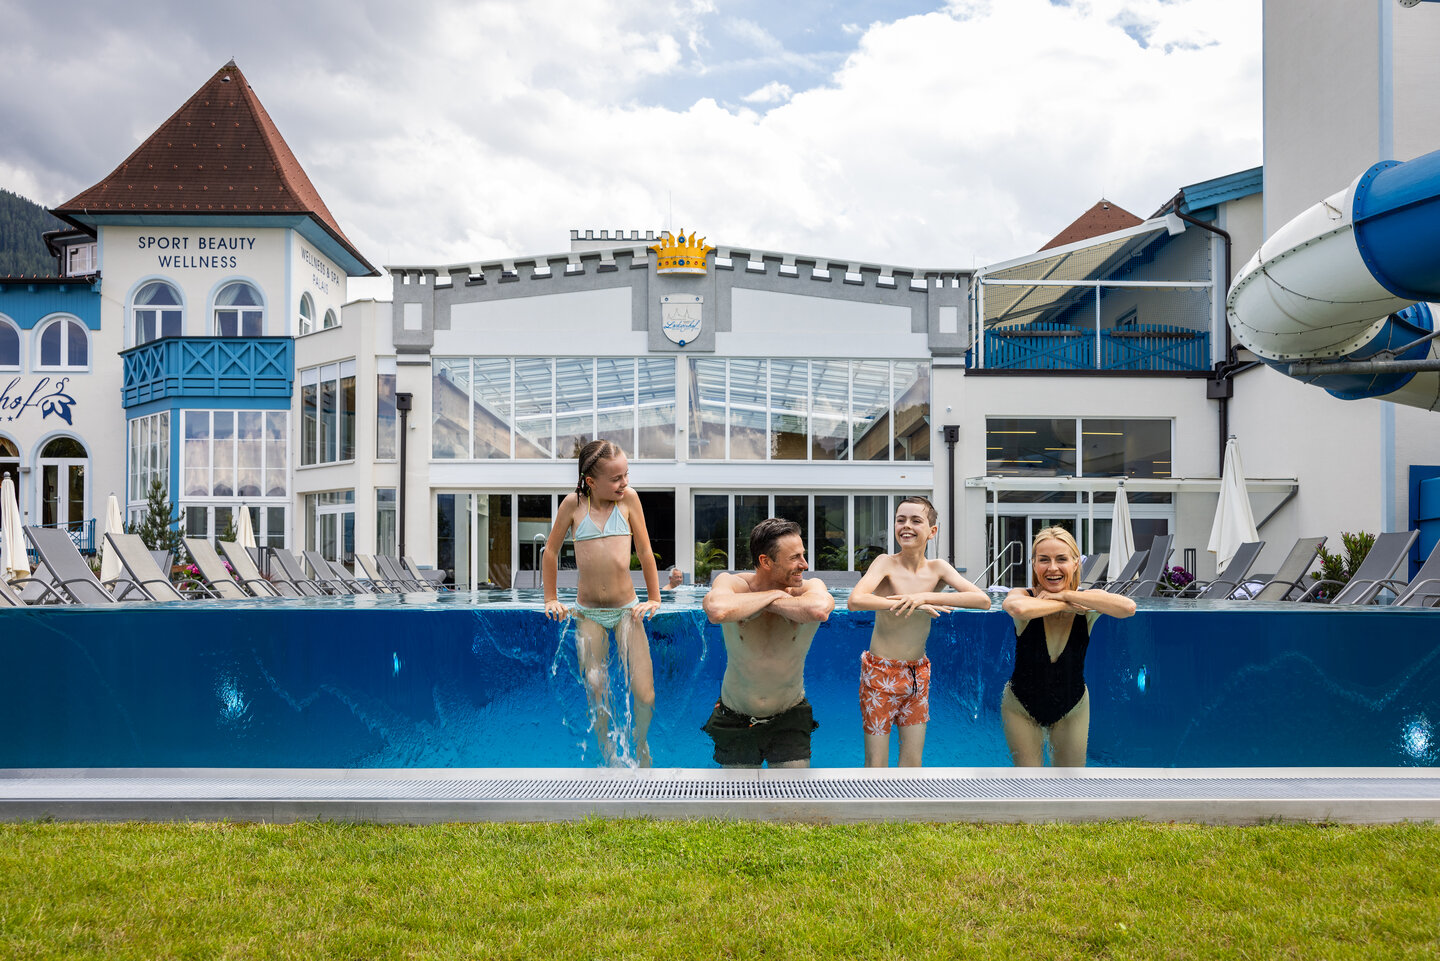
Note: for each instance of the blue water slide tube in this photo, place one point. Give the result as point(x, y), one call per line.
point(1352, 279)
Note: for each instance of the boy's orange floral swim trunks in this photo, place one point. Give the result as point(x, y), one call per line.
point(893, 692)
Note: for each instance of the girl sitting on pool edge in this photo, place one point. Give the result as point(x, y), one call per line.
point(605, 598)
point(1046, 693)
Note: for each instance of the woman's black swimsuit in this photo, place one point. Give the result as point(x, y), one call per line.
point(1047, 689)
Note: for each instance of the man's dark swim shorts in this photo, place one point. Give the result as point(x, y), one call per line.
point(742, 739)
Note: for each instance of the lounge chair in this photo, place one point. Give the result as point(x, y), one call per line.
point(154, 583)
point(35, 589)
point(249, 575)
point(1152, 575)
point(327, 577)
point(1117, 584)
point(1374, 573)
point(390, 567)
point(1235, 573)
point(1092, 572)
point(285, 566)
point(212, 568)
point(1290, 578)
point(435, 579)
point(365, 563)
point(8, 595)
point(1424, 588)
point(69, 572)
point(164, 560)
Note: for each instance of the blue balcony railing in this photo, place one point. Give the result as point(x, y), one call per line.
point(1063, 347)
point(231, 367)
point(81, 532)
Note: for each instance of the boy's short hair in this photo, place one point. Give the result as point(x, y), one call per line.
point(931, 514)
point(765, 534)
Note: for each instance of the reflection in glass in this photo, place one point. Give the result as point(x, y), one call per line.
point(1125, 448)
point(656, 395)
point(309, 416)
point(276, 447)
point(575, 406)
point(830, 402)
point(912, 410)
point(250, 452)
point(450, 412)
point(1030, 447)
point(534, 401)
point(870, 394)
point(750, 509)
point(491, 408)
point(795, 507)
point(346, 411)
point(831, 553)
point(749, 430)
point(223, 433)
point(386, 418)
point(707, 409)
point(386, 539)
point(329, 416)
point(789, 409)
point(197, 453)
point(873, 523)
point(712, 535)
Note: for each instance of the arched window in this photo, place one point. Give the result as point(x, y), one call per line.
point(307, 315)
point(10, 461)
point(331, 320)
point(157, 312)
point(9, 345)
point(64, 344)
point(239, 311)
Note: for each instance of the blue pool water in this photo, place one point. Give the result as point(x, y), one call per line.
point(485, 681)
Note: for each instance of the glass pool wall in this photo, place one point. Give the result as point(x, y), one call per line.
point(486, 681)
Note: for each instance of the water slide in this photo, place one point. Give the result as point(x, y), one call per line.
point(1341, 296)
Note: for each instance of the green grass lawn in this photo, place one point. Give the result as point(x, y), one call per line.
point(677, 890)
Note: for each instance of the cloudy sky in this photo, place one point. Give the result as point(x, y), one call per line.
point(442, 131)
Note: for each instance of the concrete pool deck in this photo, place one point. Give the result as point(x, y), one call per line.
point(819, 795)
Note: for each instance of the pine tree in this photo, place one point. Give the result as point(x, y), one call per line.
point(158, 530)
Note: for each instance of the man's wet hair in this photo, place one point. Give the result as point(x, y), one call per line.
point(765, 534)
point(931, 514)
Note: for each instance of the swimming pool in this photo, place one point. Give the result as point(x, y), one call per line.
point(473, 680)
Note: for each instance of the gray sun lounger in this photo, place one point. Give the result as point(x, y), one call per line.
point(1092, 572)
point(249, 575)
point(338, 572)
point(325, 577)
point(1375, 571)
point(1290, 578)
point(140, 565)
point(432, 577)
point(212, 568)
point(390, 567)
point(366, 563)
point(1235, 573)
point(69, 572)
point(1424, 588)
point(1117, 584)
point(287, 567)
point(1153, 573)
point(35, 589)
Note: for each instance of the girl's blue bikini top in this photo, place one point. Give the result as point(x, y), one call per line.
point(615, 526)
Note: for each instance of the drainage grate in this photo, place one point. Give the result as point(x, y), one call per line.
point(702, 788)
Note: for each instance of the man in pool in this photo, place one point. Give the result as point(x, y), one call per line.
point(768, 618)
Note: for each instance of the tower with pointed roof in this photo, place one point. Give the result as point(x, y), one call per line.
point(216, 253)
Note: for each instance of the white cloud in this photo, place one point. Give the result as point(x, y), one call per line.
point(772, 92)
point(460, 130)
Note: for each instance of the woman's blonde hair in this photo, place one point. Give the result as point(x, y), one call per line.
point(1068, 539)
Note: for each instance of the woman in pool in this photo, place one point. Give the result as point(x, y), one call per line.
point(605, 515)
point(1046, 693)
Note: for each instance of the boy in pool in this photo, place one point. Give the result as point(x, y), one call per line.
point(895, 673)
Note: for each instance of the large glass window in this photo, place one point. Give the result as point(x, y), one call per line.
point(782, 409)
point(387, 431)
point(9, 345)
point(330, 525)
point(64, 345)
point(386, 528)
point(833, 541)
point(234, 453)
point(1047, 447)
point(156, 312)
point(327, 413)
point(545, 408)
point(149, 458)
point(239, 311)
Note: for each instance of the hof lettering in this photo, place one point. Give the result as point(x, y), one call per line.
point(48, 399)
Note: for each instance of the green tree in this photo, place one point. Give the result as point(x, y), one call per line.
point(22, 249)
point(158, 529)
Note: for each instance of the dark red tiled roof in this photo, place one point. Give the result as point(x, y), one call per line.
point(1102, 218)
point(220, 153)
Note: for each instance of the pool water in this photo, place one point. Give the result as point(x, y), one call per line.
point(484, 680)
